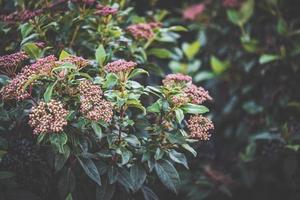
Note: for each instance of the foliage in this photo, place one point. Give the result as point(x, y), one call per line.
point(100, 129)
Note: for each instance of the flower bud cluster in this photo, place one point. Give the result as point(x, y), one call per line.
point(105, 10)
point(120, 66)
point(9, 63)
point(197, 95)
point(15, 89)
point(143, 30)
point(178, 78)
point(48, 117)
point(93, 106)
point(199, 127)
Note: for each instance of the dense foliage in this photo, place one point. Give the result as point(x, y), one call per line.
point(73, 128)
point(123, 124)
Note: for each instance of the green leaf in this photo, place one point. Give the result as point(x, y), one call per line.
point(100, 55)
point(136, 72)
point(125, 179)
point(246, 11)
point(194, 109)
point(138, 176)
point(218, 66)
point(159, 154)
point(190, 50)
point(178, 28)
point(32, 50)
point(178, 158)
point(133, 140)
point(266, 58)
point(69, 197)
point(49, 91)
point(61, 158)
point(111, 80)
point(26, 29)
point(112, 174)
point(155, 107)
point(6, 175)
point(97, 129)
point(282, 27)
point(179, 115)
point(136, 104)
point(66, 183)
point(233, 16)
point(90, 169)
point(167, 174)
point(160, 53)
point(59, 140)
point(63, 54)
point(149, 194)
point(204, 75)
point(190, 149)
point(105, 192)
point(241, 16)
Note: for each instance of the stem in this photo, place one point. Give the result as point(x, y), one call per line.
point(74, 36)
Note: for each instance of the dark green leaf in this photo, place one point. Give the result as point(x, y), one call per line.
point(59, 140)
point(178, 157)
point(167, 174)
point(90, 169)
point(149, 194)
point(138, 176)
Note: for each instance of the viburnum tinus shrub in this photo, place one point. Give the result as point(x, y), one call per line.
point(96, 116)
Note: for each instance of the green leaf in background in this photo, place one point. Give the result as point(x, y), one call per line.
point(204, 75)
point(282, 27)
point(190, 50)
point(160, 53)
point(6, 175)
point(167, 174)
point(97, 129)
point(218, 66)
point(194, 109)
point(241, 16)
point(138, 176)
point(32, 50)
point(266, 58)
point(59, 140)
point(178, 28)
point(90, 169)
point(178, 158)
point(100, 55)
point(63, 54)
point(49, 91)
point(252, 107)
point(69, 197)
